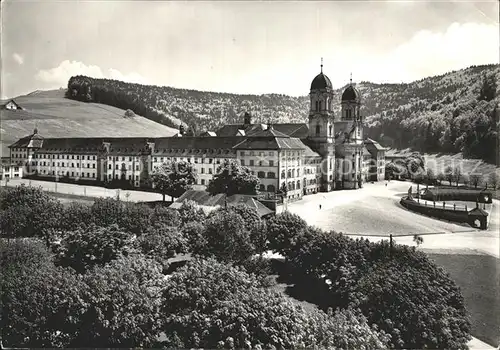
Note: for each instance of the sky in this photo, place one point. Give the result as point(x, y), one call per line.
point(241, 47)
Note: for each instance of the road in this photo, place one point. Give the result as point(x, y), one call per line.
point(374, 212)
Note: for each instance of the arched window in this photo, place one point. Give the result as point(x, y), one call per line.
point(282, 174)
point(318, 130)
point(262, 188)
point(298, 184)
point(270, 175)
point(320, 105)
point(289, 173)
point(330, 130)
point(261, 174)
point(271, 188)
point(293, 172)
point(317, 105)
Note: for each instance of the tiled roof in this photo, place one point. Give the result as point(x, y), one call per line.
point(204, 198)
point(300, 130)
point(166, 144)
point(310, 153)
point(270, 142)
point(32, 141)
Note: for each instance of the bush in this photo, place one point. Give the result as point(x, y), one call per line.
point(211, 305)
point(283, 230)
point(93, 246)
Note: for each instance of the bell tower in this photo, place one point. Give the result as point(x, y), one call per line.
point(321, 126)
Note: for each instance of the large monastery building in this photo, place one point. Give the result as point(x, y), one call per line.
point(326, 153)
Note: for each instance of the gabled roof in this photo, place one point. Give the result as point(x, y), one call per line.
point(209, 133)
point(5, 103)
point(300, 130)
point(34, 140)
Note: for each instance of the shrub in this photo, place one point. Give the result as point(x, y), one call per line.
point(107, 211)
point(211, 305)
point(283, 230)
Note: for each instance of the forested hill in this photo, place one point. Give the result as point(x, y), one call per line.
point(454, 112)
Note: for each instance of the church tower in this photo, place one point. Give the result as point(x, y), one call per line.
point(349, 140)
point(321, 127)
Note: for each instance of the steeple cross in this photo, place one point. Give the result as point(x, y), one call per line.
point(321, 64)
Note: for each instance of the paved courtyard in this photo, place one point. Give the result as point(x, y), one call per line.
point(374, 212)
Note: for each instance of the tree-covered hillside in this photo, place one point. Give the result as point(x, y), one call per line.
point(454, 112)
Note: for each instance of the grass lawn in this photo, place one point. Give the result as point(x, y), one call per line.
point(479, 279)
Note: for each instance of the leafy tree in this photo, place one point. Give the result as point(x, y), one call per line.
point(283, 230)
point(87, 247)
point(232, 178)
point(160, 243)
point(211, 305)
point(430, 176)
point(174, 178)
point(448, 174)
point(416, 303)
point(123, 300)
point(488, 88)
point(191, 212)
point(194, 234)
point(136, 218)
point(457, 174)
point(395, 170)
point(475, 179)
point(165, 216)
point(40, 303)
point(255, 226)
point(226, 237)
point(75, 216)
point(107, 211)
point(415, 165)
point(38, 215)
point(493, 180)
point(441, 177)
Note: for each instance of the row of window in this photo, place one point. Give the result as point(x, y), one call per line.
point(260, 154)
point(7, 168)
point(67, 173)
point(62, 164)
point(260, 162)
point(63, 156)
point(123, 167)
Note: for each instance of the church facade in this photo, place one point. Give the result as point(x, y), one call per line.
point(328, 152)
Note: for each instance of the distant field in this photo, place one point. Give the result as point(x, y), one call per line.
point(56, 116)
point(478, 277)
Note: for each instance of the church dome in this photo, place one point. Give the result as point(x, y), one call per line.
point(351, 94)
point(321, 82)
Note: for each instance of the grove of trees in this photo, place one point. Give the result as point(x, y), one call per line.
point(102, 275)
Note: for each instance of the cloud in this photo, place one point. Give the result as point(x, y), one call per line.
point(18, 58)
point(430, 53)
point(59, 76)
